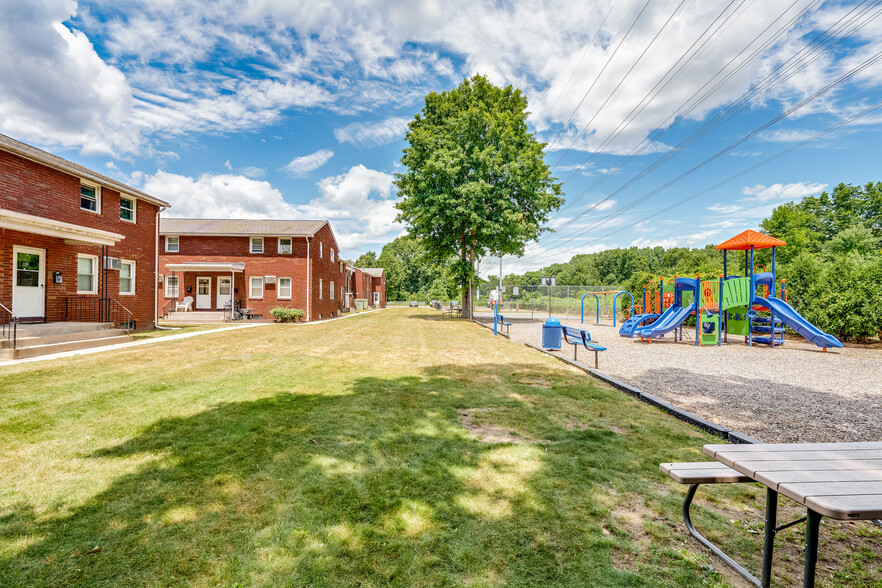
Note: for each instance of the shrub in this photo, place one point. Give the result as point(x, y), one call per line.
point(287, 315)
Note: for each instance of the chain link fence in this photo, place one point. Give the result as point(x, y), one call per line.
point(556, 301)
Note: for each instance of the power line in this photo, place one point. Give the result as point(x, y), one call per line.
point(608, 61)
point(721, 183)
point(845, 77)
point(762, 89)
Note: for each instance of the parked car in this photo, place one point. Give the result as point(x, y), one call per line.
point(413, 304)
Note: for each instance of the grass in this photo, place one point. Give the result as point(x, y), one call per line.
point(156, 333)
point(336, 455)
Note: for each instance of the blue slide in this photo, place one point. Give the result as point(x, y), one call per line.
point(798, 323)
point(672, 318)
point(635, 322)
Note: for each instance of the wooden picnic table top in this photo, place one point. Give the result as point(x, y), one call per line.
point(837, 480)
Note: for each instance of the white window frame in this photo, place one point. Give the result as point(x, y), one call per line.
point(320, 289)
point(332, 255)
point(331, 291)
point(251, 287)
point(131, 277)
point(321, 250)
point(97, 189)
point(94, 259)
point(279, 293)
point(134, 219)
point(168, 248)
point(168, 291)
point(252, 241)
point(290, 246)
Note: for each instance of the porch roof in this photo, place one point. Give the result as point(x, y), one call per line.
point(204, 266)
point(71, 233)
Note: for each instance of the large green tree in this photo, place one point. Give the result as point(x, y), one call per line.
point(476, 182)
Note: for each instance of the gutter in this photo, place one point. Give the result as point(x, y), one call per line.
point(308, 284)
point(156, 277)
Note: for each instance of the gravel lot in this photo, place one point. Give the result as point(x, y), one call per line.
point(794, 393)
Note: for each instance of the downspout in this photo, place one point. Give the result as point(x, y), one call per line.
point(156, 279)
point(308, 284)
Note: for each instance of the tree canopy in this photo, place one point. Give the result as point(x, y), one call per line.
point(475, 180)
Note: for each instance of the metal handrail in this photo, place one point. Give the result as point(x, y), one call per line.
point(94, 309)
point(8, 325)
point(173, 301)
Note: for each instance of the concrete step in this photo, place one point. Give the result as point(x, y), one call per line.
point(59, 328)
point(62, 338)
point(35, 350)
point(194, 318)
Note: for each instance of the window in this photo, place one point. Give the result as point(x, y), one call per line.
point(87, 274)
point(284, 288)
point(171, 287)
point(321, 250)
point(127, 209)
point(127, 277)
point(256, 244)
point(332, 255)
point(89, 198)
point(255, 287)
point(320, 288)
point(172, 244)
point(285, 245)
point(331, 290)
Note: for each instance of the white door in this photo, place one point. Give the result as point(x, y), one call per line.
point(203, 293)
point(224, 291)
point(376, 298)
point(28, 283)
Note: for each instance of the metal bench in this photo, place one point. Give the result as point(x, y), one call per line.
point(500, 320)
point(712, 472)
point(577, 337)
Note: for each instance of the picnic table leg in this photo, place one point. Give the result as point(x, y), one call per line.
point(690, 494)
point(595, 360)
point(812, 530)
point(575, 352)
point(770, 531)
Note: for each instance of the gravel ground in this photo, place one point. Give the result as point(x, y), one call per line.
point(794, 393)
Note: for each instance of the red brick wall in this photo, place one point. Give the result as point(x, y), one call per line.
point(35, 189)
point(269, 263)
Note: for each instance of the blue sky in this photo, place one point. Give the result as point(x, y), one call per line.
point(287, 109)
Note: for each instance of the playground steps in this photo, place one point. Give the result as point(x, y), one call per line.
point(766, 341)
point(767, 328)
point(764, 320)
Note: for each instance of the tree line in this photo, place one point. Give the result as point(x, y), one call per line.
point(832, 263)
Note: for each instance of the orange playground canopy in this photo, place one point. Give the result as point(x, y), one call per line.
point(748, 239)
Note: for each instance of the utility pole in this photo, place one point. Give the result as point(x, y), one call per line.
point(499, 299)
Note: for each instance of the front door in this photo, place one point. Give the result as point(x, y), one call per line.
point(376, 298)
point(203, 293)
point(28, 282)
point(224, 291)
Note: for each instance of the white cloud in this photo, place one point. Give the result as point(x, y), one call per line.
point(724, 208)
point(307, 163)
point(363, 203)
point(605, 205)
point(359, 203)
point(796, 191)
point(373, 134)
point(243, 65)
point(693, 240)
point(218, 196)
point(788, 136)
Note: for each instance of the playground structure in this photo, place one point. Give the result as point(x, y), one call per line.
point(727, 306)
point(615, 294)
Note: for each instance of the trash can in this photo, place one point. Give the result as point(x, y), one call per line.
point(551, 334)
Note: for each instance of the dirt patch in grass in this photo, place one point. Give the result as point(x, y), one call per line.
point(487, 433)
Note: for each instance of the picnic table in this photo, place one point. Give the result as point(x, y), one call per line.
point(837, 480)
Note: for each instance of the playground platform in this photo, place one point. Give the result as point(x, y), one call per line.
point(794, 393)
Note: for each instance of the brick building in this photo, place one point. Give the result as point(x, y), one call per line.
point(367, 284)
point(262, 264)
point(75, 245)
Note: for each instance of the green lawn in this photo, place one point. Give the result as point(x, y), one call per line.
point(335, 455)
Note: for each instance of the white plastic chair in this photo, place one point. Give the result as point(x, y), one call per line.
point(185, 305)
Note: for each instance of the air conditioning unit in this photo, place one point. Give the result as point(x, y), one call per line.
point(269, 279)
point(112, 263)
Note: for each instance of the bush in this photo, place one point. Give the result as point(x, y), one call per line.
point(287, 315)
